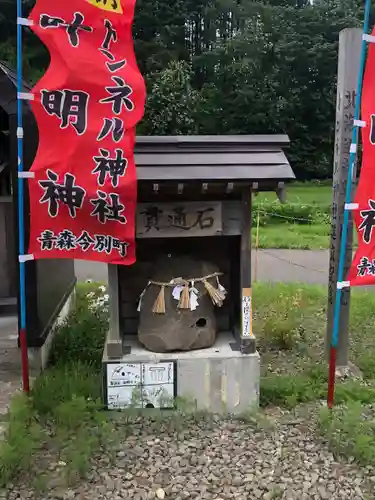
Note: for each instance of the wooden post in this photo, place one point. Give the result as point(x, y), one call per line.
point(347, 76)
point(247, 340)
point(256, 248)
point(114, 341)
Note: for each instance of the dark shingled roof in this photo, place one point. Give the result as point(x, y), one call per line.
point(8, 89)
point(219, 157)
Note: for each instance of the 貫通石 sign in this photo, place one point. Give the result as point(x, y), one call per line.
point(166, 220)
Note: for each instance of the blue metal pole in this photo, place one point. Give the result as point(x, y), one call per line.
point(352, 160)
point(21, 222)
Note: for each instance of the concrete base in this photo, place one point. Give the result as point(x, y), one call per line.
point(219, 379)
point(38, 357)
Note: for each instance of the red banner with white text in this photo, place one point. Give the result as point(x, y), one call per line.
point(362, 271)
point(84, 191)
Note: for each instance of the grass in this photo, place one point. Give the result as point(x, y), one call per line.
point(81, 337)
point(350, 432)
point(299, 311)
point(294, 236)
point(289, 233)
point(60, 383)
point(63, 422)
point(24, 437)
point(306, 193)
point(290, 325)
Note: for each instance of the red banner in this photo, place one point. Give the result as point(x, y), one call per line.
point(362, 271)
point(83, 195)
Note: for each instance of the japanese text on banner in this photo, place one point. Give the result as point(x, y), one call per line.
point(83, 196)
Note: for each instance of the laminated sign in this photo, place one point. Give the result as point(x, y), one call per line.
point(362, 271)
point(84, 189)
point(247, 327)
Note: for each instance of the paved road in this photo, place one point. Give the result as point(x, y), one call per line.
point(308, 266)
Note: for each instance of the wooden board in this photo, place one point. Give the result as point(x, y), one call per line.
point(184, 219)
point(247, 320)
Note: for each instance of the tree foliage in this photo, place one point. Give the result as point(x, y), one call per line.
point(231, 67)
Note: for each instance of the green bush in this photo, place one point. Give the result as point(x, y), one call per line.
point(311, 385)
point(290, 390)
point(86, 292)
point(65, 398)
point(283, 323)
point(350, 432)
point(66, 401)
point(76, 352)
point(23, 437)
point(290, 213)
point(60, 384)
point(366, 363)
point(282, 333)
point(352, 390)
point(81, 337)
point(82, 430)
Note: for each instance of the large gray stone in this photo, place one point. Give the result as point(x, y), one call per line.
point(177, 329)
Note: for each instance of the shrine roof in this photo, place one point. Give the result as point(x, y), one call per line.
point(207, 158)
point(8, 89)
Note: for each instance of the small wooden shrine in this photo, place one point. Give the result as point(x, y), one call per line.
point(181, 317)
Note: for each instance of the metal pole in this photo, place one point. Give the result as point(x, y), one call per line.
point(352, 163)
point(21, 222)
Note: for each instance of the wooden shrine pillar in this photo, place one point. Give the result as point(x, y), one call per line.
point(347, 77)
point(247, 338)
point(114, 340)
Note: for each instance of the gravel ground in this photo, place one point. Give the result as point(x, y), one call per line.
point(217, 459)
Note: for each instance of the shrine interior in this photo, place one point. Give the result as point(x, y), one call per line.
point(222, 251)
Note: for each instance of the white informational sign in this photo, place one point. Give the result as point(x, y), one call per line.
point(247, 330)
point(140, 385)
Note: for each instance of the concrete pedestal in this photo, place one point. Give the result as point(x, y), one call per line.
point(219, 379)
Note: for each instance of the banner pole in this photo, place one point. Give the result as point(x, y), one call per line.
point(352, 160)
point(21, 215)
